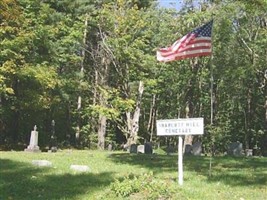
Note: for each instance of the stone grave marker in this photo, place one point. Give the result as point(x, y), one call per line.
point(148, 148)
point(235, 149)
point(188, 149)
point(249, 152)
point(80, 168)
point(170, 149)
point(42, 163)
point(197, 149)
point(133, 148)
point(33, 146)
point(140, 148)
point(110, 147)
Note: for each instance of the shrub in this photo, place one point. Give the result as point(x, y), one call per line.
point(146, 184)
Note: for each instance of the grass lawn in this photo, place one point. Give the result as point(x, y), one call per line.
point(120, 175)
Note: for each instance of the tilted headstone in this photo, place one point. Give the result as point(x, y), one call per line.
point(80, 168)
point(42, 163)
point(148, 148)
point(141, 148)
point(197, 149)
point(235, 149)
point(133, 148)
point(33, 146)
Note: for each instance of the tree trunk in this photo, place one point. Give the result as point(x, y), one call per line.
point(266, 113)
point(69, 129)
point(188, 139)
point(101, 132)
point(265, 93)
point(134, 122)
point(16, 115)
point(248, 120)
point(102, 121)
point(79, 103)
point(152, 115)
point(15, 127)
point(1, 122)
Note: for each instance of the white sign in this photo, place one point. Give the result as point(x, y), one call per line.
point(182, 126)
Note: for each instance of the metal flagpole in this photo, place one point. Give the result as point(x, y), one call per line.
point(211, 92)
point(211, 106)
point(211, 80)
point(211, 85)
point(211, 111)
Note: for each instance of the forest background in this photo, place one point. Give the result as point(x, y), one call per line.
point(90, 65)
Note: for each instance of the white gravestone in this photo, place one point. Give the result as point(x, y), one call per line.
point(33, 146)
point(80, 168)
point(141, 149)
point(42, 163)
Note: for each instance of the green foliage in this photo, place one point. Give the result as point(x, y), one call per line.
point(42, 52)
point(108, 112)
point(145, 185)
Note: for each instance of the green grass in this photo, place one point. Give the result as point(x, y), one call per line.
point(232, 178)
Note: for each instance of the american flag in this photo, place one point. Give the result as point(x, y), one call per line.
point(194, 44)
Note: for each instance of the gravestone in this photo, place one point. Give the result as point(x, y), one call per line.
point(197, 149)
point(141, 149)
point(235, 149)
point(148, 148)
point(249, 152)
point(110, 147)
point(80, 168)
point(42, 163)
point(33, 146)
point(133, 148)
point(170, 149)
point(188, 149)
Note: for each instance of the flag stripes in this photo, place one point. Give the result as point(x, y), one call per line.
point(194, 44)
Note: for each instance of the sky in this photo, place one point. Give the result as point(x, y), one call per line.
point(177, 4)
point(171, 3)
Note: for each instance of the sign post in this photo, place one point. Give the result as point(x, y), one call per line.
point(183, 126)
point(180, 161)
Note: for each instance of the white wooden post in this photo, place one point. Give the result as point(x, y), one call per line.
point(180, 161)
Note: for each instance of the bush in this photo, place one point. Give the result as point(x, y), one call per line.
point(146, 184)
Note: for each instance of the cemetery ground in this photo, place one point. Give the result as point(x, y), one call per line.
point(120, 175)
